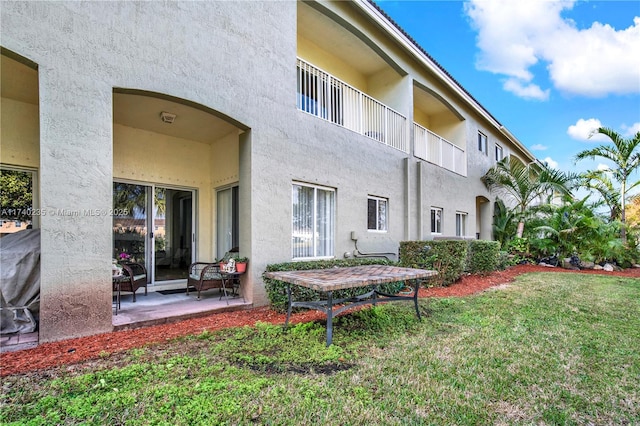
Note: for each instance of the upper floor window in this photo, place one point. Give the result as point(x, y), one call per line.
point(436, 220)
point(461, 224)
point(313, 227)
point(499, 153)
point(482, 143)
point(376, 214)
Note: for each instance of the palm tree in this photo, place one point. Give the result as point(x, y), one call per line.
point(599, 181)
point(571, 227)
point(625, 154)
point(503, 222)
point(524, 184)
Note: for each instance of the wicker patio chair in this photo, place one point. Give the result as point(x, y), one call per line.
point(135, 277)
point(205, 276)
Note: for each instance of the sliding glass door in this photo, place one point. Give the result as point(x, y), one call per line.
point(173, 233)
point(154, 225)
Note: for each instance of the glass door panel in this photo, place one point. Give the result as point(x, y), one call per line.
point(130, 225)
point(172, 233)
point(227, 230)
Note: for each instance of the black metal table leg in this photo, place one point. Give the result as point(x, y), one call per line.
point(286, 322)
point(416, 287)
point(329, 317)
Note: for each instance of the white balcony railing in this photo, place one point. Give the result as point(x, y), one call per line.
point(327, 97)
point(437, 150)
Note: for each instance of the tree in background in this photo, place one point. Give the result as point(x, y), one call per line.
point(633, 212)
point(625, 155)
point(599, 181)
point(16, 194)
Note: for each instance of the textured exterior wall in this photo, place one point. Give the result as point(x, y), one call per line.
point(83, 51)
point(237, 58)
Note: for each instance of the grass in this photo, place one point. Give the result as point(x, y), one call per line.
point(556, 349)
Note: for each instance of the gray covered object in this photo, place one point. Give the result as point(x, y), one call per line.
point(19, 281)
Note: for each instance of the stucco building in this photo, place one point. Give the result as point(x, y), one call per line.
point(174, 131)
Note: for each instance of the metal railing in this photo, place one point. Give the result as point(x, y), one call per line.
point(323, 95)
point(435, 149)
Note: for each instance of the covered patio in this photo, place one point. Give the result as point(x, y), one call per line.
point(166, 306)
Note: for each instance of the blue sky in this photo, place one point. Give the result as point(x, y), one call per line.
point(549, 71)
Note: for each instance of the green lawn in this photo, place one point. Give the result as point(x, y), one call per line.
point(548, 349)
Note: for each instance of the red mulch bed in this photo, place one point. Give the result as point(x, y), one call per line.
point(73, 351)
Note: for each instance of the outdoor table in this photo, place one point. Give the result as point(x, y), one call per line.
point(116, 281)
point(332, 279)
point(231, 280)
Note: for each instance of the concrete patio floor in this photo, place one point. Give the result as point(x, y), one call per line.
point(157, 308)
point(152, 309)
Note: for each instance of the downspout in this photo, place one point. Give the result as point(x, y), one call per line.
point(407, 227)
point(420, 205)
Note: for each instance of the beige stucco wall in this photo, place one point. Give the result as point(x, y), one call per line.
point(19, 134)
point(327, 62)
point(85, 50)
point(237, 58)
point(152, 158)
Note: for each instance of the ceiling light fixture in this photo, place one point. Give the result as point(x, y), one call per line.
point(167, 117)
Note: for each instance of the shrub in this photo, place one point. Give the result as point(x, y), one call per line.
point(482, 256)
point(505, 260)
point(448, 257)
point(519, 248)
point(277, 290)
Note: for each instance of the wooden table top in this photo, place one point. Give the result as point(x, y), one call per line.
point(331, 279)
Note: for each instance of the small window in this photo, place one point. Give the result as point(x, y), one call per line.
point(313, 227)
point(461, 224)
point(499, 153)
point(376, 214)
point(436, 220)
point(482, 143)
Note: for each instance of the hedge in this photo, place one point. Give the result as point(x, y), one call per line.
point(448, 257)
point(483, 256)
point(277, 290)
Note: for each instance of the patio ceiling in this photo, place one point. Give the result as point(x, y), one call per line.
point(18, 81)
point(143, 112)
point(332, 37)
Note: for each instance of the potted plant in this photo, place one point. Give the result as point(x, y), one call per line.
point(241, 264)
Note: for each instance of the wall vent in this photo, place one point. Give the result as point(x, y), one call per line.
point(167, 117)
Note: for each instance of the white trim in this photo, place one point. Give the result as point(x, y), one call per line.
point(386, 219)
point(431, 223)
point(315, 187)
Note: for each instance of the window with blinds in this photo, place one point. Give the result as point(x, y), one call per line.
point(376, 214)
point(313, 227)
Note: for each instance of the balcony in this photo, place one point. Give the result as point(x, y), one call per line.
point(326, 97)
point(437, 150)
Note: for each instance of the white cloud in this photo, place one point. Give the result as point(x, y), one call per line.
point(550, 163)
point(629, 131)
point(514, 36)
point(603, 167)
point(539, 147)
point(585, 130)
point(525, 90)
